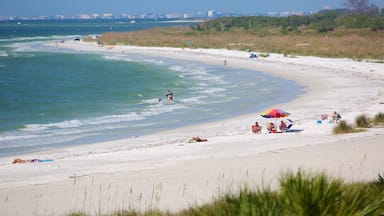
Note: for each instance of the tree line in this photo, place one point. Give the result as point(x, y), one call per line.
point(359, 15)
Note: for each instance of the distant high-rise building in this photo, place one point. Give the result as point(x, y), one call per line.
point(211, 13)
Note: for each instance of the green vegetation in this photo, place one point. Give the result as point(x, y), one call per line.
point(299, 194)
point(379, 118)
point(331, 33)
point(321, 22)
point(343, 127)
point(361, 121)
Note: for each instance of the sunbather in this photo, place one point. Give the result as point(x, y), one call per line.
point(283, 127)
point(18, 160)
point(271, 127)
point(256, 128)
point(197, 139)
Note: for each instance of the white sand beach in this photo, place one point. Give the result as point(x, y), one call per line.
point(173, 174)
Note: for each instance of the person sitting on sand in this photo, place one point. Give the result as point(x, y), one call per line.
point(283, 126)
point(256, 128)
point(271, 127)
point(197, 139)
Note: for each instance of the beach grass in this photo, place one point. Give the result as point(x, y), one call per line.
point(362, 121)
point(352, 43)
point(379, 118)
point(343, 127)
point(299, 193)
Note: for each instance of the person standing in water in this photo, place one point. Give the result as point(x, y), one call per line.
point(169, 96)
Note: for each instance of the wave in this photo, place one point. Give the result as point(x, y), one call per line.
point(122, 57)
point(212, 91)
point(16, 137)
point(118, 57)
point(195, 100)
point(38, 38)
point(3, 53)
point(81, 123)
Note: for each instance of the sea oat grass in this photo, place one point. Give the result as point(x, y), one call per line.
point(343, 127)
point(305, 194)
point(379, 183)
point(362, 121)
point(379, 118)
point(299, 194)
point(351, 43)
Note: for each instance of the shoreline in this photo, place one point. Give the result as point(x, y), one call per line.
point(173, 174)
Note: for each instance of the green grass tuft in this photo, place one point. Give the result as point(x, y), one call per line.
point(362, 121)
point(304, 194)
point(379, 118)
point(343, 127)
point(379, 183)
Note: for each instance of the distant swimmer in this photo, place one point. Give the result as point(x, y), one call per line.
point(169, 95)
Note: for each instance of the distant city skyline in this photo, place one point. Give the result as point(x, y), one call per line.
point(71, 7)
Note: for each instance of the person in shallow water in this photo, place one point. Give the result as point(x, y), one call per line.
point(169, 96)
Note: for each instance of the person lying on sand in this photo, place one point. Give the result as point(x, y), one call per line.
point(18, 160)
point(197, 139)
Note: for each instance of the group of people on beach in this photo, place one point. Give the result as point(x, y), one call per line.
point(271, 128)
point(335, 118)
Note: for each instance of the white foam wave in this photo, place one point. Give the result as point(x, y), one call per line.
point(80, 123)
point(16, 137)
point(161, 108)
point(199, 74)
point(188, 71)
point(117, 118)
point(41, 127)
point(153, 61)
point(194, 100)
point(117, 57)
point(212, 91)
point(150, 101)
point(40, 38)
point(3, 53)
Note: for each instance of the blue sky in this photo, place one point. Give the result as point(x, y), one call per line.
point(70, 7)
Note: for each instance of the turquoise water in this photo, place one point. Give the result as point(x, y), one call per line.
point(52, 98)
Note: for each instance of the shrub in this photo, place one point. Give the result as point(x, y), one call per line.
point(264, 55)
point(362, 121)
point(343, 127)
point(379, 118)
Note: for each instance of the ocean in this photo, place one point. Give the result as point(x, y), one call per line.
point(52, 98)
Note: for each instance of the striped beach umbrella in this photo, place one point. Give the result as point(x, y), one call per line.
point(275, 113)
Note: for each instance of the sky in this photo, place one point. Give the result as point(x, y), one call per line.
point(74, 7)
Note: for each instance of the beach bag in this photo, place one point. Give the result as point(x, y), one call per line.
point(338, 116)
